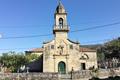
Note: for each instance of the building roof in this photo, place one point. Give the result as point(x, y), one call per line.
point(35, 50)
point(73, 41)
point(60, 8)
point(45, 42)
point(82, 49)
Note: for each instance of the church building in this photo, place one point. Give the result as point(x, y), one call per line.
point(62, 54)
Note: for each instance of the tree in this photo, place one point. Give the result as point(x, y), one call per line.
point(31, 57)
point(111, 49)
point(13, 60)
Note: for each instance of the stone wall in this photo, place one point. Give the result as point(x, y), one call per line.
point(78, 75)
point(29, 76)
point(108, 72)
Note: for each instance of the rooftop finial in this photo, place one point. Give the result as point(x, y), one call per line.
point(60, 7)
point(59, 1)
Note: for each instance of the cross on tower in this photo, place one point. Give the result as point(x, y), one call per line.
point(59, 1)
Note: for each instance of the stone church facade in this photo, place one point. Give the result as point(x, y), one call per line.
point(61, 54)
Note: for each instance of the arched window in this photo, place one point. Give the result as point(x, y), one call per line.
point(84, 57)
point(61, 23)
point(61, 67)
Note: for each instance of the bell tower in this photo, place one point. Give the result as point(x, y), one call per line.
point(61, 28)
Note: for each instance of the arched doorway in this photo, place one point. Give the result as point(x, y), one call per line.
point(61, 67)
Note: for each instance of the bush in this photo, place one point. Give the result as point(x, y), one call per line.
point(110, 78)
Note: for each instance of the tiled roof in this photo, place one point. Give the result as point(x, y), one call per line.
point(82, 49)
point(36, 50)
point(47, 42)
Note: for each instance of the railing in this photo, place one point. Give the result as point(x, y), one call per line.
point(64, 27)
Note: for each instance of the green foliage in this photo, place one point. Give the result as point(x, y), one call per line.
point(13, 61)
point(31, 57)
point(110, 78)
point(110, 49)
point(100, 56)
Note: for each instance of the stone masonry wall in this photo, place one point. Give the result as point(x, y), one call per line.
point(78, 75)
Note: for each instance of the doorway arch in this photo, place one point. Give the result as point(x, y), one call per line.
point(62, 67)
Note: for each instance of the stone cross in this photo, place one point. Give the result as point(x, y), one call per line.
point(60, 49)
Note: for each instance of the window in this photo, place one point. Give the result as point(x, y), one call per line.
point(61, 23)
point(84, 57)
point(71, 46)
point(52, 46)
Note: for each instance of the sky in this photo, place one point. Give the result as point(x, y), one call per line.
point(36, 17)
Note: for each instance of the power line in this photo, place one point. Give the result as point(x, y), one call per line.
point(30, 36)
point(26, 26)
point(85, 29)
point(96, 27)
point(19, 48)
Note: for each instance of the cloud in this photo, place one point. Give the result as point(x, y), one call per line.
point(0, 35)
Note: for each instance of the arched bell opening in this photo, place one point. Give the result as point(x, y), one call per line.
point(61, 23)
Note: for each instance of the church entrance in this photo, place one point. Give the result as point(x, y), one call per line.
point(83, 66)
point(62, 67)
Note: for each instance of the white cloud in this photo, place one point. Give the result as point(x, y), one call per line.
point(0, 35)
